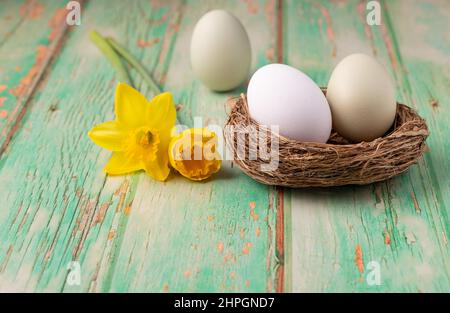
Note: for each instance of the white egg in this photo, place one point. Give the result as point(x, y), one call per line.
point(282, 95)
point(220, 51)
point(362, 98)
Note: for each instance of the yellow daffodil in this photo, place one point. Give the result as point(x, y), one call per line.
point(194, 154)
point(140, 135)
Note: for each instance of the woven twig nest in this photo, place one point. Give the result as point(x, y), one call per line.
point(336, 163)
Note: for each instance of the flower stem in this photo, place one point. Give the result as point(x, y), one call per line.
point(103, 45)
point(122, 51)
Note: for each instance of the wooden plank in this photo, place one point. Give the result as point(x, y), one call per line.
point(213, 236)
point(58, 204)
point(29, 39)
point(424, 62)
point(336, 232)
point(130, 233)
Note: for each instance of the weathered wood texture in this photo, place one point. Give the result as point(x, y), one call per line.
point(130, 233)
point(403, 223)
point(30, 36)
point(230, 233)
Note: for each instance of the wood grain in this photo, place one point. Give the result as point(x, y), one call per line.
point(402, 223)
point(229, 233)
point(25, 57)
point(221, 233)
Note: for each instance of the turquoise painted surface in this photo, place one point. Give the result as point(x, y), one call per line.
point(30, 32)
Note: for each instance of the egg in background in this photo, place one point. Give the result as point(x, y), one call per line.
point(361, 96)
point(281, 95)
point(220, 51)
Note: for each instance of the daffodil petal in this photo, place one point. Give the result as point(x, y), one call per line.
point(158, 168)
point(162, 112)
point(121, 164)
point(131, 106)
point(109, 135)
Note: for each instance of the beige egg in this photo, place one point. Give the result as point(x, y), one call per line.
point(361, 96)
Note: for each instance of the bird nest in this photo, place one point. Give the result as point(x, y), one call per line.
point(335, 163)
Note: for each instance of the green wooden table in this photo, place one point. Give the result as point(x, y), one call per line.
point(230, 233)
